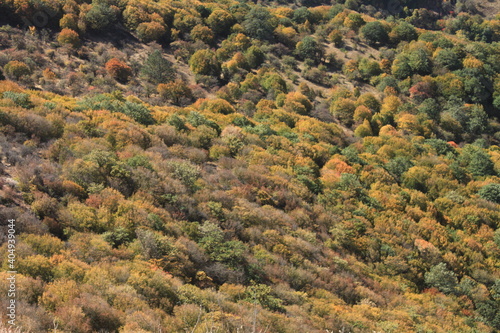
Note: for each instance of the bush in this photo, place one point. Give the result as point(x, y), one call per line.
point(119, 70)
point(441, 278)
point(69, 37)
point(220, 21)
point(138, 112)
point(309, 48)
point(151, 31)
point(203, 33)
point(404, 32)
point(375, 33)
point(219, 106)
point(490, 192)
point(100, 16)
point(257, 23)
point(204, 62)
point(20, 99)
point(175, 92)
point(16, 69)
point(343, 109)
point(69, 21)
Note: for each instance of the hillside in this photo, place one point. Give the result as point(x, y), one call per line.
point(226, 166)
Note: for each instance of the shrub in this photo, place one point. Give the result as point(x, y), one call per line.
point(20, 99)
point(343, 109)
point(297, 102)
point(69, 37)
point(203, 33)
point(119, 70)
point(219, 106)
point(138, 112)
point(151, 31)
point(204, 62)
point(69, 21)
point(16, 69)
point(175, 91)
point(375, 33)
point(100, 16)
point(490, 192)
point(220, 21)
point(309, 48)
point(257, 23)
point(441, 278)
point(404, 32)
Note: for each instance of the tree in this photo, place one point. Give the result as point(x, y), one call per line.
point(442, 278)
point(477, 161)
point(69, 37)
point(354, 21)
point(309, 48)
point(175, 91)
point(336, 37)
point(419, 62)
point(157, 69)
point(229, 252)
point(490, 192)
point(375, 33)
point(69, 21)
point(203, 33)
point(16, 69)
point(204, 62)
point(151, 31)
point(119, 70)
point(219, 105)
point(449, 59)
point(297, 102)
point(343, 109)
point(220, 21)
point(404, 31)
point(254, 56)
point(101, 15)
point(257, 23)
point(401, 67)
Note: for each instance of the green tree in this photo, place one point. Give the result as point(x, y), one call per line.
point(309, 48)
point(375, 33)
point(449, 59)
point(212, 241)
point(419, 62)
point(254, 56)
point(442, 279)
point(101, 15)
point(404, 31)
point(477, 161)
point(343, 109)
point(490, 192)
point(257, 23)
point(157, 69)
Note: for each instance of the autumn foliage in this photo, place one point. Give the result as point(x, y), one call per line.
point(118, 70)
point(229, 166)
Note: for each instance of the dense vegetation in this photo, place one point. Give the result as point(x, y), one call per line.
point(190, 166)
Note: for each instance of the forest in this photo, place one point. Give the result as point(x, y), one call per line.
point(213, 166)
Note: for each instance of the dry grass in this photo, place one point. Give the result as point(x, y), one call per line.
point(488, 8)
point(8, 329)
